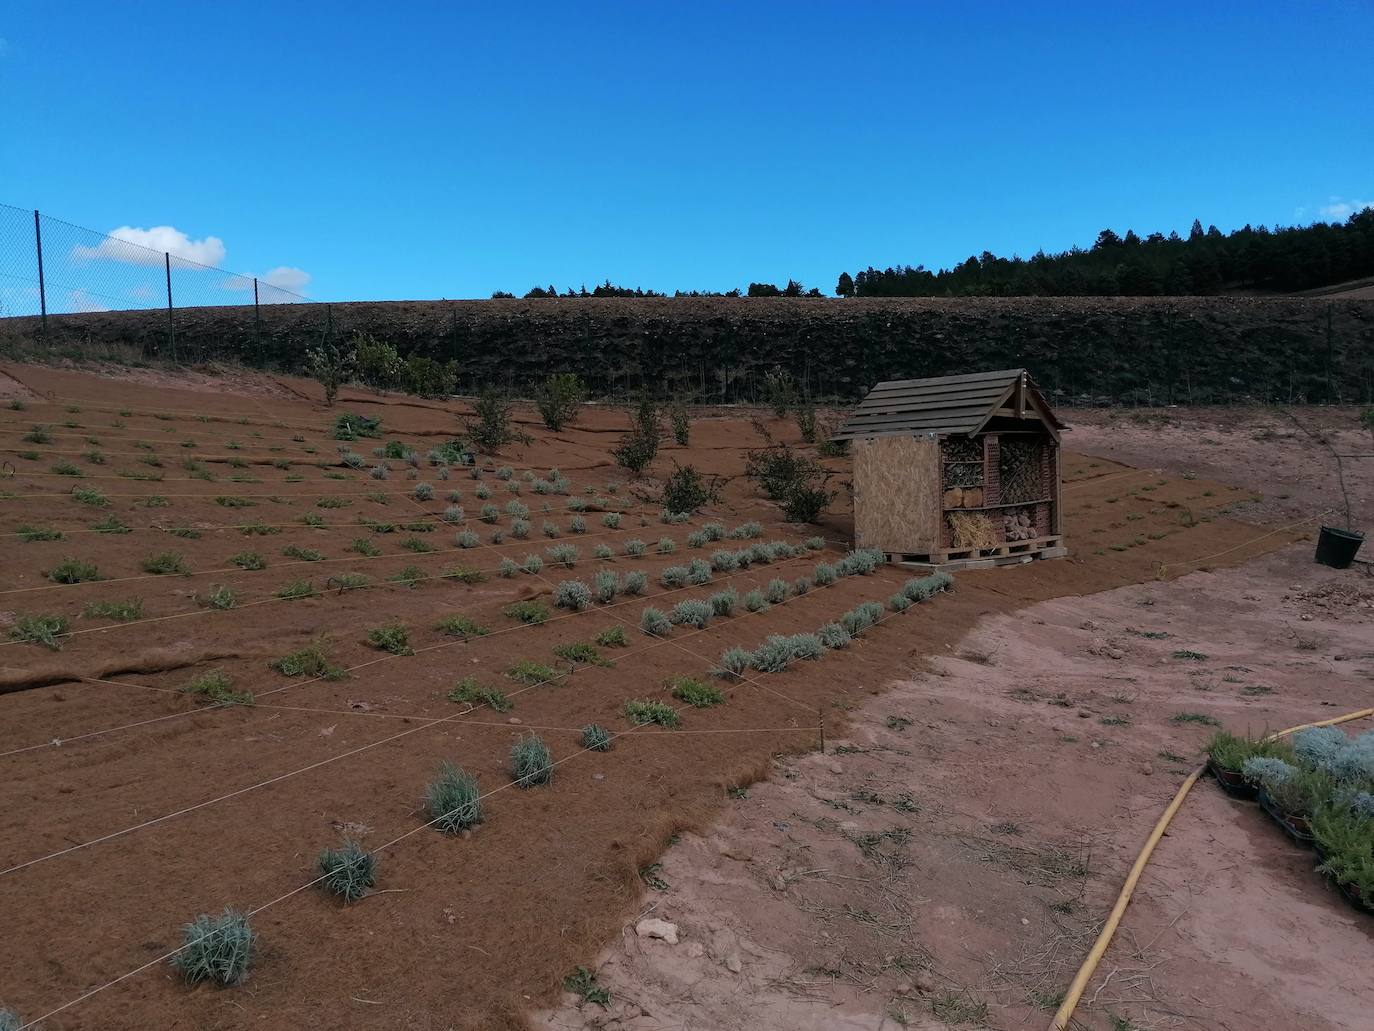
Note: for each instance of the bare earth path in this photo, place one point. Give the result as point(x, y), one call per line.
point(953, 856)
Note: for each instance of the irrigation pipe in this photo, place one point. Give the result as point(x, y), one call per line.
point(1104, 939)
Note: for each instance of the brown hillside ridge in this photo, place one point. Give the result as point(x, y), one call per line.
point(1125, 349)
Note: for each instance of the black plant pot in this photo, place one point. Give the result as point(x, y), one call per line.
point(1296, 827)
point(1336, 547)
point(1232, 782)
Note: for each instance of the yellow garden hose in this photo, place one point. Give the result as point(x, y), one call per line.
point(1086, 971)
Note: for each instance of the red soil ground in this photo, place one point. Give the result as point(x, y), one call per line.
point(113, 840)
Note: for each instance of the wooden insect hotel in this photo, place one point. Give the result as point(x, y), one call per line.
point(957, 471)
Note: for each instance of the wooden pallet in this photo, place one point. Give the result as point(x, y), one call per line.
point(1012, 553)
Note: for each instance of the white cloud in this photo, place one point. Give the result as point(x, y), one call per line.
point(285, 277)
point(158, 239)
point(1338, 209)
point(80, 300)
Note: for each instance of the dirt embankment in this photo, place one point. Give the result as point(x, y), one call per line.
point(1124, 350)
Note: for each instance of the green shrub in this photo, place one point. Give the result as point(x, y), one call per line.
point(532, 565)
point(461, 626)
point(606, 586)
point(66, 468)
point(469, 691)
point(491, 428)
point(635, 583)
point(558, 398)
point(220, 596)
point(687, 490)
point(733, 662)
point(258, 528)
point(296, 590)
point(110, 524)
point(41, 629)
point(613, 637)
point(655, 623)
point(634, 547)
point(218, 949)
point(28, 533)
point(452, 800)
point(794, 481)
point(825, 574)
point(248, 560)
point(572, 594)
point(393, 638)
point(777, 591)
point(351, 426)
point(832, 635)
point(666, 546)
point(695, 693)
point(90, 496)
point(348, 871)
point(37, 435)
point(580, 653)
point(691, 612)
point(73, 571)
point(302, 554)
point(806, 646)
point(723, 602)
point(673, 576)
point(527, 611)
point(215, 686)
point(754, 601)
point(410, 576)
point(642, 712)
point(920, 588)
point(773, 656)
point(899, 602)
point(746, 531)
point(120, 610)
point(308, 662)
point(530, 762)
point(596, 738)
point(563, 554)
point(638, 447)
point(724, 561)
point(533, 674)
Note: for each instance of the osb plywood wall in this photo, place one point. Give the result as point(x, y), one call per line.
point(897, 494)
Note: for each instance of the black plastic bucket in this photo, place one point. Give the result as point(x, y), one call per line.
point(1336, 547)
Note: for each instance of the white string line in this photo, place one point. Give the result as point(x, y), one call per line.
point(274, 597)
point(311, 883)
point(429, 722)
point(516, 543)
point(195, 416)
point(632, 600)
point(188, 429)
point(249, 457)
point(528, 500)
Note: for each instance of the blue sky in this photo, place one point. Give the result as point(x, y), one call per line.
point(405, 151)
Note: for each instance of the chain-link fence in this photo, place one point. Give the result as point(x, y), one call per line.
point(50, 268)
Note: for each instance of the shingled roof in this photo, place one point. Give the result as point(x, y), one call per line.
point(944, 404)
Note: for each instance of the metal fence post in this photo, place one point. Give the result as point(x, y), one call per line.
point(171, 333)
point(42, 287)
point(257, 322)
